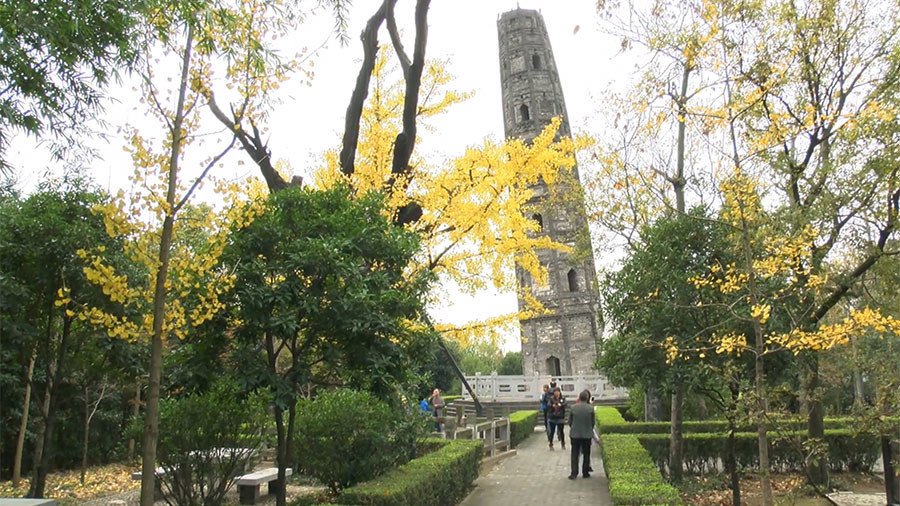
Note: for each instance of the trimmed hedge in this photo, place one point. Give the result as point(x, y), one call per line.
point(613, 423)
point(846, 450)
point(440, 478)
point(609, 417)
point(450, 398)
point(521, 425)
point(634, 479)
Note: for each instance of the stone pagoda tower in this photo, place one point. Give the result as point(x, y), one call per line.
point(563, 342)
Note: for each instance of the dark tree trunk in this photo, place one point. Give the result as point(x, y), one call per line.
point(731, 457)
point(890, 454)
point(135, 411)
point(87, 432)
point(676, 440)
point(652, 404)
point(42, 467)
point(818, 467)
point(23, 423)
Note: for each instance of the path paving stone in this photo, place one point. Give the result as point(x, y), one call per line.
point(540, 476)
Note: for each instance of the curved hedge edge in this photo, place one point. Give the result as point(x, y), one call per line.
point(521, 425)
point(435, 479)
point(609, 417)
point(633, 477)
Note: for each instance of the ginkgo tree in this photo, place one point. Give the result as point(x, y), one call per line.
point(476, 215)
point(801, 95)
point(763, 289)
point(207, 44)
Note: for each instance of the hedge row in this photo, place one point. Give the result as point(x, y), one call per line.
point(613, 423)
point(633, 477)
point(847, 450)
point(521, 425)
point(451, 398)
point(440, 478)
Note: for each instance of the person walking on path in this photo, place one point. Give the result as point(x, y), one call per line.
point(545, 402)
point(581, 430)
point(556, 411)
point(437, 404)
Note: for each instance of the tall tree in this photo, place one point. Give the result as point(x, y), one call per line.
point(321, 287)
point(39, 250)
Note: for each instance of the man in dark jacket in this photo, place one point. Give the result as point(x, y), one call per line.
point(581, 430)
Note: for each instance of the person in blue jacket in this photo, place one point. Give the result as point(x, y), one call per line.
point(545, 402)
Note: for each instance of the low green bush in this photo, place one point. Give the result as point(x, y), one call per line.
point(634, 479)
point(521, 425)
point(439, 478)
point(846, 450)
point(207, 439)
point(344, 437)
point(451, 398)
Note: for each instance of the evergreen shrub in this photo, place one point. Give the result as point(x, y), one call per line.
point(440, 478)
point(521, 425)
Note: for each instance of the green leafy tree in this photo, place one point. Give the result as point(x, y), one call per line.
point(511, 364)
point(57, 57)
point(654, 306)
point(322, 290)
point(39, 242)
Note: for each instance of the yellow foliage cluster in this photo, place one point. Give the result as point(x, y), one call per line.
point(826, 337)
point(727, 279)
point(476, 207)
point(489, 330)
point(194, 284)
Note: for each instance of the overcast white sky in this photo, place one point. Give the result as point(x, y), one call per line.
point(310, 119)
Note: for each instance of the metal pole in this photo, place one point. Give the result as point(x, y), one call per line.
point(478, 408)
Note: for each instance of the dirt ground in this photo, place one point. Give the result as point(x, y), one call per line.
point(790, 489)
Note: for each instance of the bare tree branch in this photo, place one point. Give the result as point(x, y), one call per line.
point(395, 39)
point(361, 91)
point(252, 144)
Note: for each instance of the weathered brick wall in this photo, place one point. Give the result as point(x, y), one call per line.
point(532, 95)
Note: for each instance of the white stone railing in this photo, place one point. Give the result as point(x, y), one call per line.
point(529, 388)
point(494, 432)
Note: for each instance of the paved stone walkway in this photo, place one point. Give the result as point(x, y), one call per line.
point(539, 476)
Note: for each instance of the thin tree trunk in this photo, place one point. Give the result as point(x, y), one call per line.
point(39, 437)
point(23, 425)
point(676, 441)
point(762, 423)
point(151, 415)
point(652, 404)
point(87, 432)
point(891, 482)
point(42, 467)
point(45, 402)
point(281, 452)
point(135, 411)
point(731, 457)
point(88, 416)
point(678, 181)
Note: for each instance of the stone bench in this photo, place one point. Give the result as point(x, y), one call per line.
point(248, 484)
